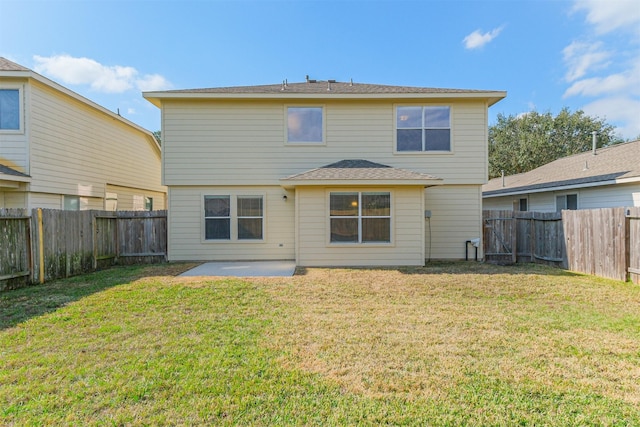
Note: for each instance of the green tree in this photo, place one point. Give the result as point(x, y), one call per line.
point(158, 135)
point(521, 143)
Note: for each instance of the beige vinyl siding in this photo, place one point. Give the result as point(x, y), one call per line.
point(407, 225)
point(76, 149)
point(241, 143)
point(15, 199)
point(46, 200)
point(132, 199)
point(186, 226)
point(456, 216)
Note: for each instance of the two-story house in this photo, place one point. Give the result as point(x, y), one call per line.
point(59, 150)
point(324, 173)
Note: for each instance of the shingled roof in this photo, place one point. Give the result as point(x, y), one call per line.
point(6, 65)
point(6, 170)
point(323, 90)
point(315, 86)
point(609, 165)
point(350, 172)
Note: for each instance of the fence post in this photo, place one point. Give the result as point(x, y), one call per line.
point(627, 247)
point(40, 247)
point(514, 238)
point(94, 232)
point(29, 248)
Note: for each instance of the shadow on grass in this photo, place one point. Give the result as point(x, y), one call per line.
point(465, 267)
point(19, 305)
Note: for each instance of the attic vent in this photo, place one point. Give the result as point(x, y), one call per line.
point(309, 80)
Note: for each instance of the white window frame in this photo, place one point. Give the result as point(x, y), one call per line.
point(69, 200)
point(526, 202)
point(20, 90)
point(359, 217)
point(564, 196)
point(323, 140)
point(423, 128)
point(233, 216)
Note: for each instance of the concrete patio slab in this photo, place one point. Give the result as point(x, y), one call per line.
point(244, 269)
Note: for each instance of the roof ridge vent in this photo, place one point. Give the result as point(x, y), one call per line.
point(309, 80)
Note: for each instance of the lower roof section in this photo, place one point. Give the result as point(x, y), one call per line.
point(359, 172)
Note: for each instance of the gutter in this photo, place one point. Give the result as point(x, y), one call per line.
point(492, 193)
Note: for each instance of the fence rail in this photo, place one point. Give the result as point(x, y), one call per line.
point(602, 242)
point(48, 244)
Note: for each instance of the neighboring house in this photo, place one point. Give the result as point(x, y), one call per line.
point(59, 150)
point(324, 173)
point(604, 178)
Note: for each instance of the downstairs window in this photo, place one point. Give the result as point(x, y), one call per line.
point(360, 217)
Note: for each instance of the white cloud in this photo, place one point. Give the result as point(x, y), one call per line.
point(621, 111)
point(152, 82)
point(477, 39)
point(604, 68)
point(581, 58)
point(626, 82)
point(101, 78)
point(610, 15)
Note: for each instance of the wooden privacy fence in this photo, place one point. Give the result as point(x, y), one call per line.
point(513, 236)
point(602, 242)
point(48, 244)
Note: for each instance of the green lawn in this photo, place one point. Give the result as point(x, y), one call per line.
point(448, 344)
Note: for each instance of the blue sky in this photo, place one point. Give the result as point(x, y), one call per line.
point(547, 54)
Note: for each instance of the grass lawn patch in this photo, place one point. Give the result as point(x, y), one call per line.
point(447, 344)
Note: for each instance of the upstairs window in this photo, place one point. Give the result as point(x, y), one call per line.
point(305, 125)
point(9, 109)
point(423, 128)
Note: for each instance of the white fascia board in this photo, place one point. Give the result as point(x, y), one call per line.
point(156, 97)
point(559, 188)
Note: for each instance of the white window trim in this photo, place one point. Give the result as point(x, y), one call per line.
point(392, 216)
point(233, 215)
point(305, 144)
point(565, 194)
point(423, 153)
point(20, 89)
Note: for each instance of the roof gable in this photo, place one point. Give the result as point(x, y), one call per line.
point(350, 172)
point(11, 69)
point(6, 65)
